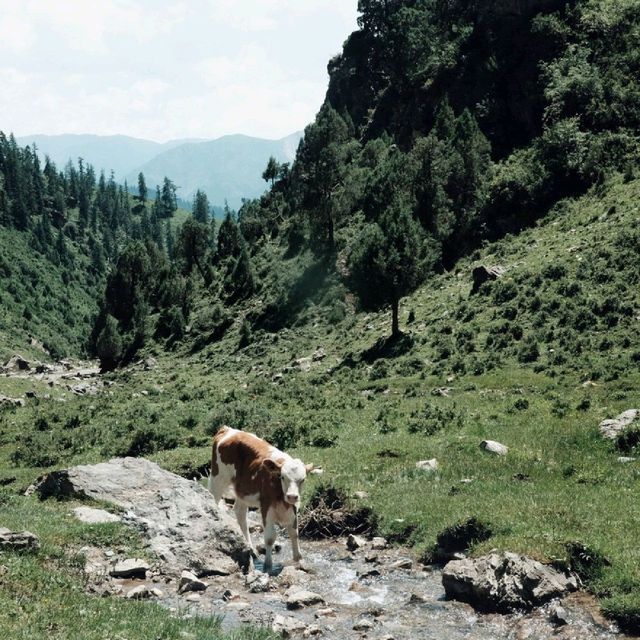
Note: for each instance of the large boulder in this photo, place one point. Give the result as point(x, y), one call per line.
point(179, 517)
point(612, 428)
point(504, 582)
point(482, 274)
point(16, 363)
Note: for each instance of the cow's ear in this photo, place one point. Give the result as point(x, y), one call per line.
point(272, 467)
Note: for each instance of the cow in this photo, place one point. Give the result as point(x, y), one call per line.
point(261, 476)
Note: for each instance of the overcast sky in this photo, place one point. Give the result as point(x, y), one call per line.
point(166, 69)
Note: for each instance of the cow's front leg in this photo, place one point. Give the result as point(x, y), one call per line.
point(269, 540)
point(240, 509)
point(292, 531)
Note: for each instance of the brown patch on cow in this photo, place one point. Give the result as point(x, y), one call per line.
point(248, 453)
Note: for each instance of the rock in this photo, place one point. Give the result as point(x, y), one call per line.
point(287, 626)
point(625, 459)
point(131, 568)
point(16, 363)
point(325, 613)
point(360, 495)
point(298, 599)
point(378, 543)
point(31, 395)
point(368, 573)
point(194, 597)
point(494, 447)
point(364, 624)
point(612, 428)
point(430, 466)
point(149, 363)
point(318, 355)
point(504, 582)
point(140, 592)
point(442, 391)
point(482, 274)
point(302, 364)
point(11, 402)
point(189, 582)
point(558, 615)
point(355, 542)
point(259, 584)
point(402, 563)
point(89, 515)
point(18, 540)
point(184, 527)
point(371, 557)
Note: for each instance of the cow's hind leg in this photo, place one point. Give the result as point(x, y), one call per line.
point(240, 509)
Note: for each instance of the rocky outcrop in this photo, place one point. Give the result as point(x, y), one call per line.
point(612, 428)
point(184, 527)
point(482, 274)
point(504, 582)
point(18, 540)
point(16, 363)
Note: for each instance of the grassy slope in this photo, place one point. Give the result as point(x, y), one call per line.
point(560, 481)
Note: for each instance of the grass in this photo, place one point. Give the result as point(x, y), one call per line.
point(368, 421)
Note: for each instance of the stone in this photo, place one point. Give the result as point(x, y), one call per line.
point(299, 599)
point(558, 615)
point(11, 402)
point(130, 568)
point(259, 584)
point(371, 557)
point(190, 582)
point(319, 354)
point(325, 613)
point(194, 597)
point(612, 428)
point(89, 515)
point(368, 573)
point(402, 563)
point(18, 540)
point(364, 624)
point(303, 364)
point(287, 626)
point(16, 363)
point(483, 274)
point(360, 495)
point(430, 466)
point(355, 542)
point(625, 459)
point(491, 446)
point(140, 592)
point(378, 543)
point(504, 582)
point(178, 517)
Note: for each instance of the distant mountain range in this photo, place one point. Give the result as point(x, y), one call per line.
point(227, 168)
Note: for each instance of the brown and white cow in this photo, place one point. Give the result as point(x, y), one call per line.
point(262, 476)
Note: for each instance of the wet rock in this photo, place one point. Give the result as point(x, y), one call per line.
point(558, 615)
point(504, 582)
point(325, 613)
point(141, 592)
point(287, 626)
point(18, 540)
point(483, 274)
point(89, 515)
point(194, 597)
point(355, 542)
point(258, 583)
point(371, 557)
point(430, 466)
point(184, 527)
point(402, 563)
point(190, 582)
point(368, 573)
point(298, 599)
point(364, 624)
point(494, 447)
point(613, 427)
point(130, 568)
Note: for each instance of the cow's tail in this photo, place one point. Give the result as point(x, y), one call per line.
point(210, 484)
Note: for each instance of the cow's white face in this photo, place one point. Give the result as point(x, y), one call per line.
point(292, 476)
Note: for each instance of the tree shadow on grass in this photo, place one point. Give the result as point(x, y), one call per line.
point(388, 347)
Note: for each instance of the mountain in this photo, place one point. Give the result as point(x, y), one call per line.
point(228, 168)
point(120, 154)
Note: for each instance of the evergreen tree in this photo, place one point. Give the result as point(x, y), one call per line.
point(168, 199)
point(108, 348)
point(272, 171)
point(191, 247)
point(142, 188)
point(389, 260)
point(201, 207)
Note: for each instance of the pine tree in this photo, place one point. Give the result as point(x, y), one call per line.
point(109, 345)
point(272, 171)
point(142, 188)
point(201, 207)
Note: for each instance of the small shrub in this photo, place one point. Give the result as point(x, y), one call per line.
point(460, 536)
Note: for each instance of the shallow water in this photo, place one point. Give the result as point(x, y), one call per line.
point(405, 604)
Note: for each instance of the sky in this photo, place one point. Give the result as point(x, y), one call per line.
point(167, 69)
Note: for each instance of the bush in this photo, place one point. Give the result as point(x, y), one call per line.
point(146, 440)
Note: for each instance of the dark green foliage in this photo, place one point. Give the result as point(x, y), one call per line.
point(462, 535)
point(390, 259)
point(431, 419)
point(108, 346)
point(201, 210)
point(588, 563)
point(149, 439)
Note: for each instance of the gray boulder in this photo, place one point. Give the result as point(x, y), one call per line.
point(18, 540)
point(504, 582)
point(16, 363)
point(613, 427)
point(179, 517)
point(130, 568)
point(494, 447)
point(482, 274)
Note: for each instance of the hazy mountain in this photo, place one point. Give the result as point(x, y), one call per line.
point(122, 154)
point(226, 168)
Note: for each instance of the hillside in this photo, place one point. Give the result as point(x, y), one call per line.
point(228, 168)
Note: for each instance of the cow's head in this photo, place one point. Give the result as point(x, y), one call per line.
point(292, 473)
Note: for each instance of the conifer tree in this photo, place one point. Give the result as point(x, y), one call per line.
point(201, 207)
point(272, 171)
point(142, 188)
